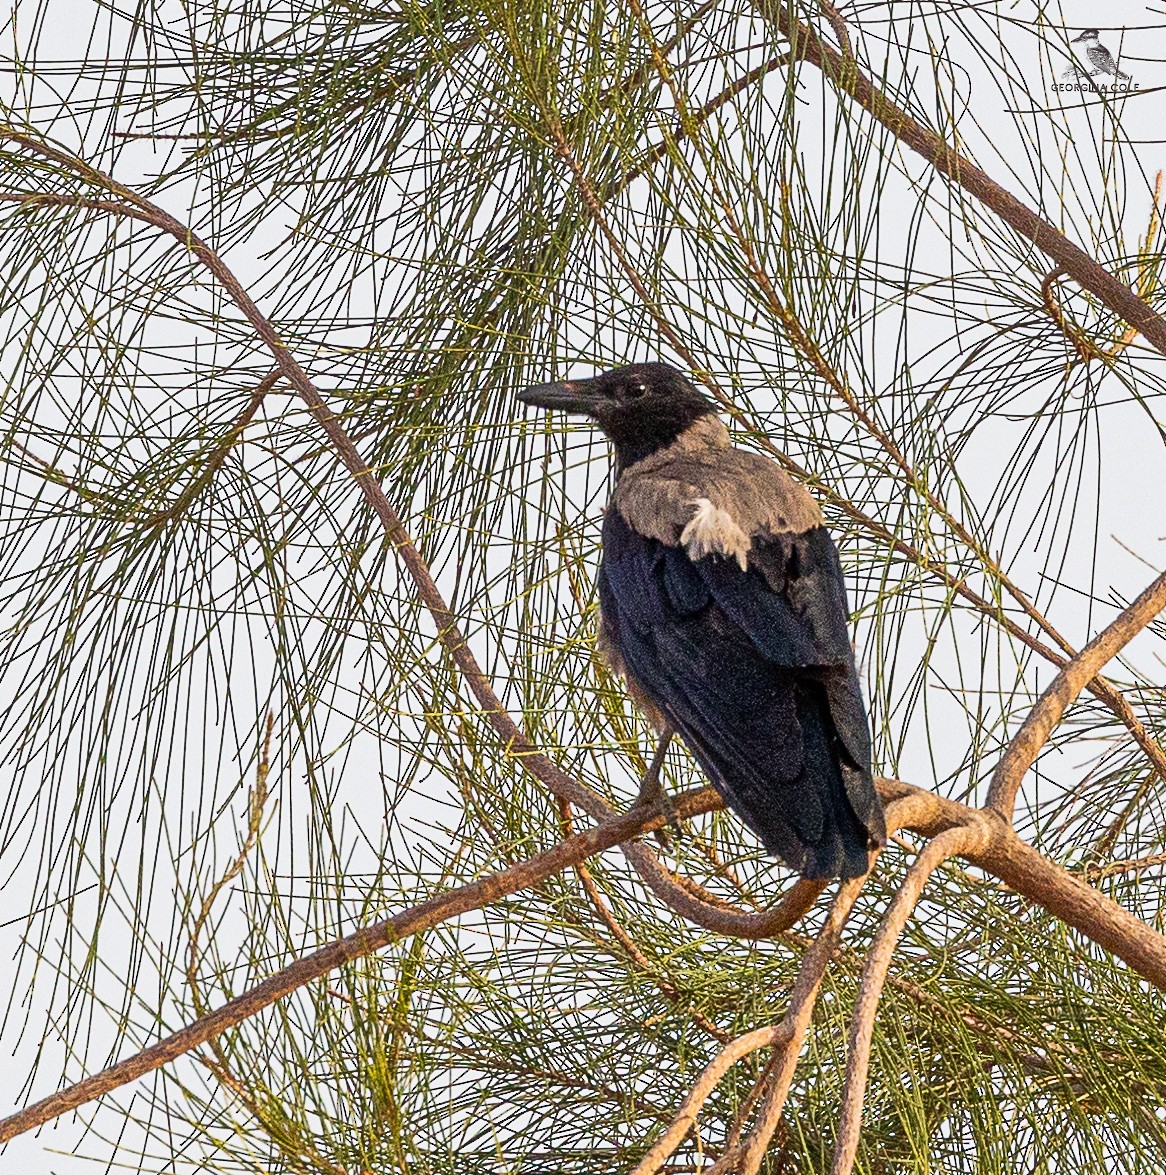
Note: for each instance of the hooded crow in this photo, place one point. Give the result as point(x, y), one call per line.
point(723, 608)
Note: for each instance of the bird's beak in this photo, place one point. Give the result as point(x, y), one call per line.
point(577, 395)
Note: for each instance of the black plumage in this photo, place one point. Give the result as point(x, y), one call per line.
point(723, 605)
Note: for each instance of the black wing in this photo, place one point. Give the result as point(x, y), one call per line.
point(755, 671)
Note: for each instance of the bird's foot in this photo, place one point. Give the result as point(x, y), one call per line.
point(653, 794)
point(667, 836)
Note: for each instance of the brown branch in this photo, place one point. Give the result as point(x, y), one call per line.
point(745, 1111)
point(953, 842)
point(802, 1001)
point(1130, 865)
point(1032, 736)
point(838, 24)
point(630, 947)
point(221, 452)
point(354, 946)
point(1085, 347)
point(722, 919)
point(779, 1073)
point(806, 44)
point(787, 1035)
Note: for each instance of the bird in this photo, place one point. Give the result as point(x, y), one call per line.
point(723, 608)
point(1100, 58)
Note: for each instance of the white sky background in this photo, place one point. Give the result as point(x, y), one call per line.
point(1130, 460)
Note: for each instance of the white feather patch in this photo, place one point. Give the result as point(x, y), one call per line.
point(715, 531)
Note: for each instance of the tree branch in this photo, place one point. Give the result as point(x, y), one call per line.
point(787, 1035)
point(354, 946)
point(802, 1001)
point(560, 784)
point(844, 74)
point(1034, 733)
point(947, 844)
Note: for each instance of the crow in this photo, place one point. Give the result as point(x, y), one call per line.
point(723, 608)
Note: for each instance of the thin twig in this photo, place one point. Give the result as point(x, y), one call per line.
point(630, 947)
point(690, 125)
point(289, 1141)
point(221, 452)
point(1085, 347)
point(874, 974)
point(1130, 865)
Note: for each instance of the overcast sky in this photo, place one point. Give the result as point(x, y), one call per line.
point(1130, 454)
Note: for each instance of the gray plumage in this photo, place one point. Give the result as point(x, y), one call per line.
point(660, 494)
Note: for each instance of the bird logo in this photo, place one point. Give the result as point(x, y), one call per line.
point(1099, 59)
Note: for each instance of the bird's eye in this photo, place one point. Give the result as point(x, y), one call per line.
point(634, 391)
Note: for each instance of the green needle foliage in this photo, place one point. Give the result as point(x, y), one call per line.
point(435, 204)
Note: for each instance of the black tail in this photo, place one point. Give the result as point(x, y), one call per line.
point(804, 817)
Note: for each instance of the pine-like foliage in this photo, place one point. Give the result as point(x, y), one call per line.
point(434, 204)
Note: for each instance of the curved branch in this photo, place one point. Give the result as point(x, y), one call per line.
point(953, 842)
point(1034, 733)
point(802, 1001)
point(794, 904)
point(787, 1035)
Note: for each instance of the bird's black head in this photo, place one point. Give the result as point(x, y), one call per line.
point(641, 408)
point(1088, 34)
